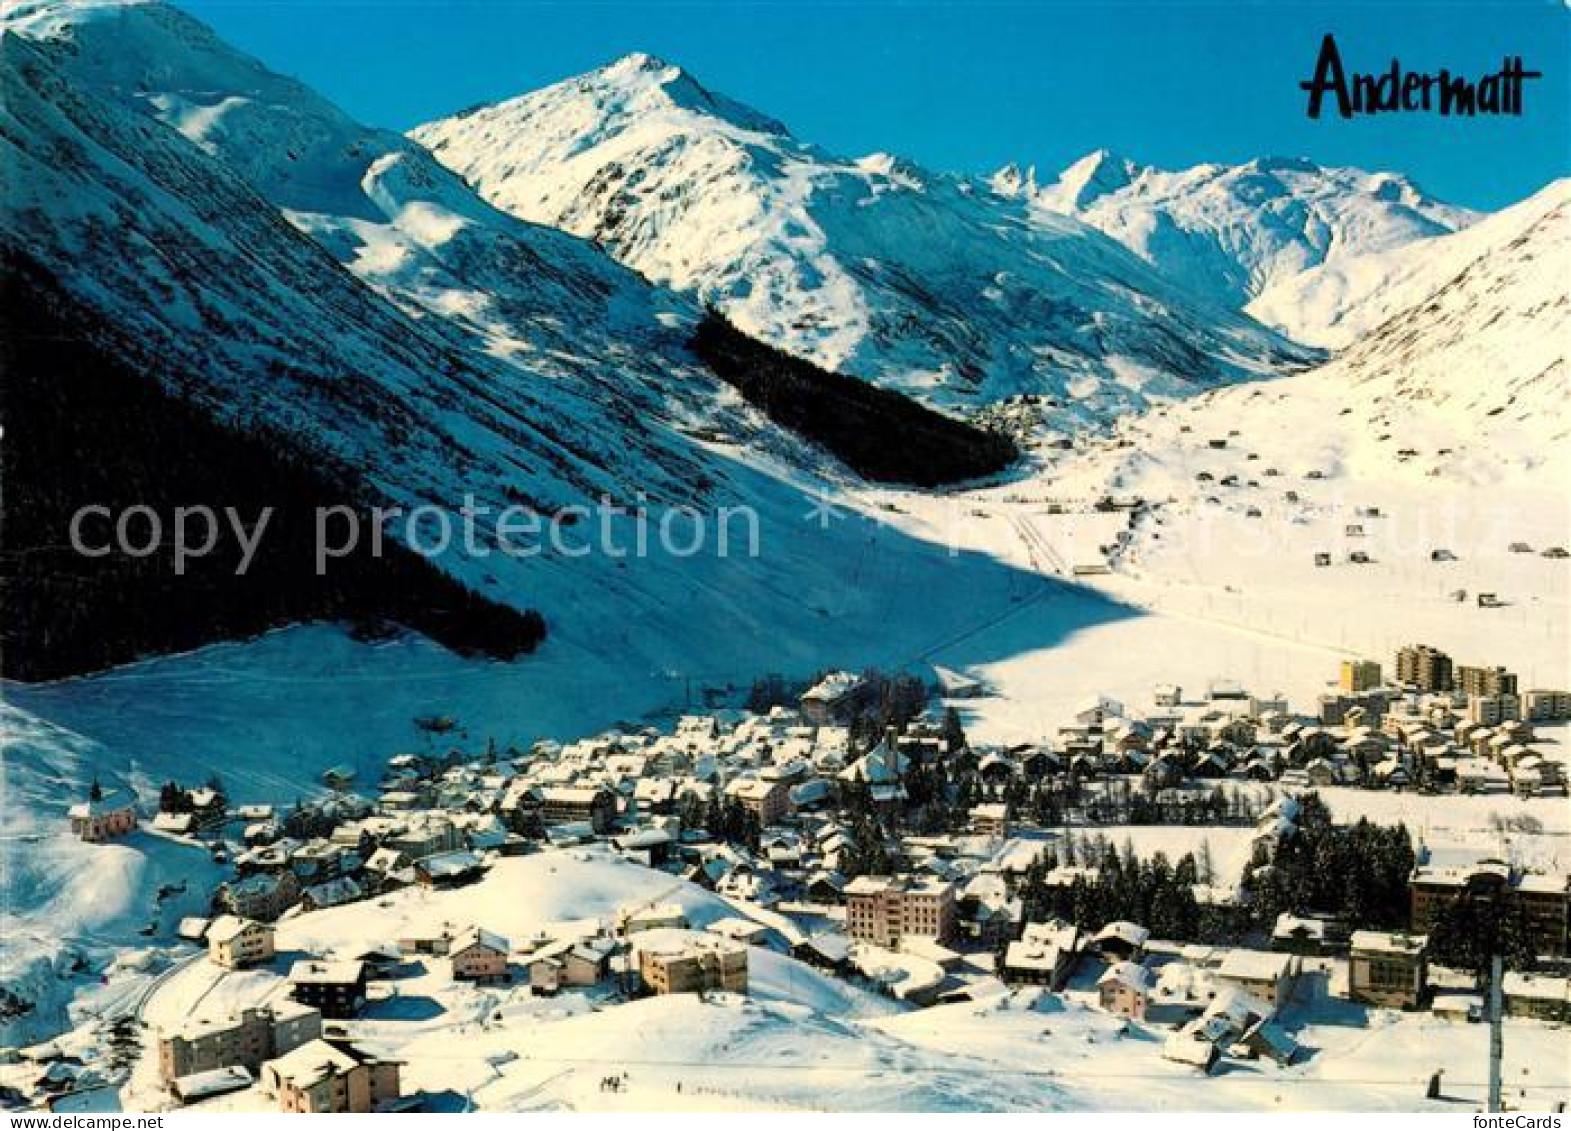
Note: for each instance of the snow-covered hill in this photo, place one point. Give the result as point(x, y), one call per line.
point(1467, 385)
point(1337, 302)
point(930, 283)
point(1230, 232)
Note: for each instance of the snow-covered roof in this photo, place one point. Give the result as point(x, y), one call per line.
point(1386, 942)
point(227, 928)
point(315, 972)
point(1130, 974)
point(478, 937)
point(1255, 965)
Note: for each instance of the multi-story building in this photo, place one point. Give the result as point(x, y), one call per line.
point(1387, 969)
point(479, 955)
point(883, 910)
point(245, 1039)
point(687, 964)
point(1485, 681)
point(991, 819)
point(330, 1076)
point(833, 697)
point(766, 800)
point(565, 804)
point(236, 943)
point(1359, 676)
point(1492, 710)
point(1543, 900)
point(1425, 668)
point(336, 988)
point(263, 895)
point(1545, 705)
point(1044, 954)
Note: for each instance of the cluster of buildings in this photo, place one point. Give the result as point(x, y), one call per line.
point(942, 922)
point(1487, 694)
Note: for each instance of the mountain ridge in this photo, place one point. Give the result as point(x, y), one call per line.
point(1233, 231)
point(925, 282)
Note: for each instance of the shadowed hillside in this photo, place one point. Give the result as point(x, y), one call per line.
point(83, 428)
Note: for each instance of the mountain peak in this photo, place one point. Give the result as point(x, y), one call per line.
point(641, 80)
point(635, 61)
point(1095, 175)
point(1014, 181)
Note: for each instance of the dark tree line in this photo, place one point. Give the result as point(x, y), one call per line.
point(1358, 872)
point(83, 428)
point(723, 818)
point(1153, 892)
point(1470, 932)
point(880, 434)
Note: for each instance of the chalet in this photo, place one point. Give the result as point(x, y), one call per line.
point(833, 698)
point(263, 895)
point(991, 820)
point(1190, 1048)
point(479, 955)
point(331, 1076)
point(1536, 995)
point(235, 943)
point(1120, 941)
point(650, 847)
point(1267, 1038)
point(339, 778)
point(1265, 975)
point(1044, 955)
point(1305, 936)
point(825, 951)
point(332, 893)
point(336, 988)
point(587, 962)
point(1125, 989)
point(178, 824)
point(825, 887)
point(214, 1082)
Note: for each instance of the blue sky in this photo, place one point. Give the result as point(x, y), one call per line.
point(970, 86)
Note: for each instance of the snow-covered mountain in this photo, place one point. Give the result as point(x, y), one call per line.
point(929, 283)
point(398, 320)
point(1339, 301)
point(1230, 232)
point(1466, 384)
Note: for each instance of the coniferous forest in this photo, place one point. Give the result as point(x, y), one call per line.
point(83, 429)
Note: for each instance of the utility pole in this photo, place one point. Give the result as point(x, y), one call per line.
point(1496, 1032)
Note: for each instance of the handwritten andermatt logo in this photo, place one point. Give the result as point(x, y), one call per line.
point(1396, 90)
